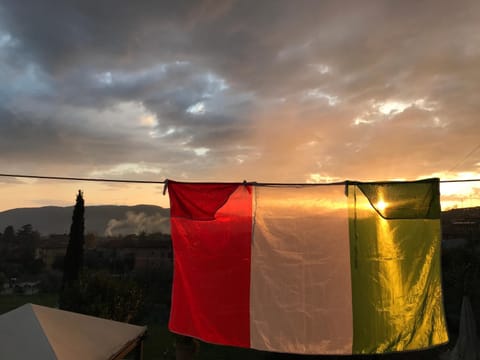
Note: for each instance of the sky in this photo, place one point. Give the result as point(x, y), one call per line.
point(268, 91)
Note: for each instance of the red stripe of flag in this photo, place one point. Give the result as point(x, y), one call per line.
point(211, 287)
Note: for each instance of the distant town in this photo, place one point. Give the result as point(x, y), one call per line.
point(25, 253)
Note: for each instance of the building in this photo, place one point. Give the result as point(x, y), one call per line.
point(52, 249)
point(148, 252)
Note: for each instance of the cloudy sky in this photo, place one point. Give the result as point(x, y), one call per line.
point(275, 91)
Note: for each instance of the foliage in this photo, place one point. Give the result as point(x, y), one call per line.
point(157, 286)
point(115, 264)
point(8, 236)
point(3, 279)
point(10, 302)
point(50, 281)
point(74, 255)
point(58, 263)
point(17, 251)
point(27, 239)
point(100, 294)
point(461, 276)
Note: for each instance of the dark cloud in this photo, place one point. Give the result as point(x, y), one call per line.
point(270, 90)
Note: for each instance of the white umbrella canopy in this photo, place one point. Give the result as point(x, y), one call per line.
point(467, 345)
point(43, 333)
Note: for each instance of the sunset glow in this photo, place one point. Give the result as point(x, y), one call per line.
point(231, 91)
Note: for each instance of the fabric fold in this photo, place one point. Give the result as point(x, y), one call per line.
point(198, 201)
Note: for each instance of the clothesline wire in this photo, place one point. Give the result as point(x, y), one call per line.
point(470, 153)
point(164, 182)
point(67, 178)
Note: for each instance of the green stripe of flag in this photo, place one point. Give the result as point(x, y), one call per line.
point(395, 267)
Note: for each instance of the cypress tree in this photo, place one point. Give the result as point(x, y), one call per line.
point(73, 262)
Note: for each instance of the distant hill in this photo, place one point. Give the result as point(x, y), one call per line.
point(101, 220)
point(116, 220)
point(462, 213)
point(461, 223)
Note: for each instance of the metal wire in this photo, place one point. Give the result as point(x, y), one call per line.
point(253, 183)
point(82, 179)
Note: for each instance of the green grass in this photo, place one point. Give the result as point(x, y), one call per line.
point(10, 302)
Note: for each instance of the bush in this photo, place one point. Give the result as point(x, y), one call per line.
point(99, 294)
point(50, 281)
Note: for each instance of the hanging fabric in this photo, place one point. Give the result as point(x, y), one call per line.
point(339, 269)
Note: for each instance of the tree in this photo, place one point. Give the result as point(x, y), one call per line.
point(73, 262)
point(27, 240)
point(9, 234)
point(7, 241)
point(3, 280)
point(102, 295)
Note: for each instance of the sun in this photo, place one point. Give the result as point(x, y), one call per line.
point(381, 205)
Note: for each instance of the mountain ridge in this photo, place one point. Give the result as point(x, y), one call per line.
point(99, 219)
point(114, 220)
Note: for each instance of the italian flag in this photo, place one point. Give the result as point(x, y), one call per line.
point(350, 268)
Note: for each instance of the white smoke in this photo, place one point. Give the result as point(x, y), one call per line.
point(136, 223)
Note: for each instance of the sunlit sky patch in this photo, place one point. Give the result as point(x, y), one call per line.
point(332, 100)
point(318, 178)
point(149, 120)
point(197, 108)
point(201, 151)
point(392, 107)
point(159, 133)
point(127, 168)
point(105, 78)
point(5, 39)
point(216, 84)
point(321, 68)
